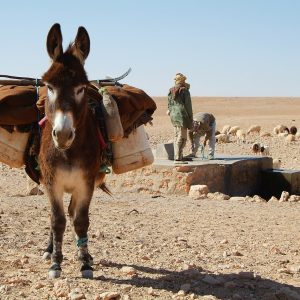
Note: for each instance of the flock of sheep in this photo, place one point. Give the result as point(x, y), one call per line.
point(223, 136)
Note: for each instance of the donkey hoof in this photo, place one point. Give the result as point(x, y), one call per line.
point(54, 271)
point(46, 255)
point(91, 260)
point(87, 271)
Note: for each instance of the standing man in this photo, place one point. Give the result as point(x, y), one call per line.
point(181, 114)
point(204, 124)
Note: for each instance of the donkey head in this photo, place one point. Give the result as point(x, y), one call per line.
point(66, 80)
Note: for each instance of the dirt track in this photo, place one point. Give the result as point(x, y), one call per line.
point(212, 249)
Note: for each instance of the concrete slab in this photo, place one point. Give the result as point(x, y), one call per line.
point(232, 175)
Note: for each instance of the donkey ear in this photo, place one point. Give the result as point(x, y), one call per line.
point(54, 42)
point(81, 47)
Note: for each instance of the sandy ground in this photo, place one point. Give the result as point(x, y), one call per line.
point(177, 247)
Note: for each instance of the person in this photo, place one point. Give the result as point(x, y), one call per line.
point(181, 114)
point(204, 124)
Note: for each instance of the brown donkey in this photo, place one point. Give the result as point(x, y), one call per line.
point(70, 154)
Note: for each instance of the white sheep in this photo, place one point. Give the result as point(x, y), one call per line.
point(293, 130)
point(241, 136)
point(264, 150)
point(233, 130)
point(290, 138)
point(265, 134)
point(225, 129)
point(279, 129)
point(222, 138)
point(276, 163)
point(256, 148)
point(254, 129)
point(282, 134)
point(297, 135)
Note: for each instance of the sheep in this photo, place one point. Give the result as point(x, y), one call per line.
point(225, 129)
point(264, 150)
point(233, 130)
point(279, 129)
point(290, 138)
point(293, 130)
point(282, 134)
point(222, 138)
point(241, 136)
point(297, 135)
point(265, 134)
point(253, 129)
point(276, 163)
point(255, 148)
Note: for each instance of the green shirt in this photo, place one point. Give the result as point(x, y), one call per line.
point(180, 107)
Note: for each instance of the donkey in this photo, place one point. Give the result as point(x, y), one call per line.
point(70, 154)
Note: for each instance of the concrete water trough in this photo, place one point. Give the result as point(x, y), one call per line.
point(229, 174)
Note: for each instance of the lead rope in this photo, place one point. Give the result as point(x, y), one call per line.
point(37, 99)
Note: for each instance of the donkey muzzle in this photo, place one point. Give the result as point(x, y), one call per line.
point(63, 132)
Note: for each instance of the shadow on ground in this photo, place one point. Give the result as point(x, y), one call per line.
point(243, 285)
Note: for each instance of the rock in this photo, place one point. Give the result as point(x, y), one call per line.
point(76, 294)
point(224, 242)
point(110, 296)
point(237, 198)
point(259, 199)
point(294, 198)
point(129, 270)
point(237, 296)
point(284, 196)
point(249, 199)
point(198, 190)
point(126, 288)
point(294, 269)
point(218, 196)
point(185, 287)
point(210, 280)
point(225, 254)
point(236, 253)
point(150, 291)
point(287, 293)
point(273, 200)
point(246, 275)
point(32, 188)
point(61, 288)
point(231, 285)
point(181, 293)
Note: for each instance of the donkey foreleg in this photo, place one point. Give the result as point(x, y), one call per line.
point(49, 250)
point(58, 226)
point(79, 213)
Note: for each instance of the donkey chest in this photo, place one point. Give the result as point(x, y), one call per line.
point(71, 179)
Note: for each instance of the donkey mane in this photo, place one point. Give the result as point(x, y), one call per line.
point(66, 69)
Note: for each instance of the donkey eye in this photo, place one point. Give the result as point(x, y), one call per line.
point(80, 90)
point(50, 89)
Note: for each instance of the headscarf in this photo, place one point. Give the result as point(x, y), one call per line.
point(179, 84)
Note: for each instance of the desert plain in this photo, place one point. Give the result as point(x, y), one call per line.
point(166, 246)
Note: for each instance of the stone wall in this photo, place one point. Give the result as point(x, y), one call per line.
point(239, 177)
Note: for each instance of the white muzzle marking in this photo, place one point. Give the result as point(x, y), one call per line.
point(63, 132)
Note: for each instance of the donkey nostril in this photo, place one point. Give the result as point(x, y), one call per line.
point(54, 133)
point(70, 135)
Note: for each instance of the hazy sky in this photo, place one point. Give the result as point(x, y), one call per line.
point(224, 47)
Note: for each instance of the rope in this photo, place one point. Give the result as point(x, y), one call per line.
point(82, 242)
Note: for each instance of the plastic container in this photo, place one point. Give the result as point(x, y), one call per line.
point(113, 123)
point(12, 147)
point(132, 153)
